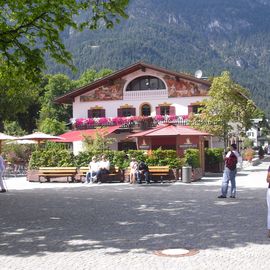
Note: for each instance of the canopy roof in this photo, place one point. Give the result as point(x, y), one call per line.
point(170, 130)
point(78, 135)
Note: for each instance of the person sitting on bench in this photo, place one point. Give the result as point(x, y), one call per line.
point(143, 170)
point(104, 168)
point(94, 169)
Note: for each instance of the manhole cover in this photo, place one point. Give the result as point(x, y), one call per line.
point(176, 252)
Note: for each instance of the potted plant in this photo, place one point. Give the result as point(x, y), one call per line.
point(249, 154)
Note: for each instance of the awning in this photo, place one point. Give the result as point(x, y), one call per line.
point(78, 135)
point(170, 130)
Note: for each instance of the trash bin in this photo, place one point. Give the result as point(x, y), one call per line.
point(186, 174)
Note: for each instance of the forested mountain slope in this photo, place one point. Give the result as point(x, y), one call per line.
point(211, 35)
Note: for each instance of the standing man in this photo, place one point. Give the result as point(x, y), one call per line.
point(2, 169)
point(229, 174)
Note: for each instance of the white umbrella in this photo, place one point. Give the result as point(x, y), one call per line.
point(39, 137)
point(4, 137)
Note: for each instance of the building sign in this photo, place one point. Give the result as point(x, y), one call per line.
point(144, 147)
point(188, 144)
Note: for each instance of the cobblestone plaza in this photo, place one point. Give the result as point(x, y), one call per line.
point(122, 226)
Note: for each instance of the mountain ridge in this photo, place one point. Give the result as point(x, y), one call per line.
point(211, 35)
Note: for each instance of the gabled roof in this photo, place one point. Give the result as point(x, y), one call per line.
point(68, 98)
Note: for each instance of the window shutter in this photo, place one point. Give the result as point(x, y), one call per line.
point(157, 110)
point(90, 113)
point(133, 111)
point(119, 112)
point(102, 113)
point(172, 110)
point(190, 109)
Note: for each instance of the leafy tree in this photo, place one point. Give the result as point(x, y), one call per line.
point(57, 85)
point(91, 75)
point(31, 28)
point(17, 93)
point(13, 128)
point(228, 108)
point(99, 143)
point(52, 126)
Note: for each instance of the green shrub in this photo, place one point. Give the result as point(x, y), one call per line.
point(52, 155)
point(213, 155)
point(192, 158)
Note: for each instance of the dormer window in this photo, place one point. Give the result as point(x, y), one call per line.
point(146, 83)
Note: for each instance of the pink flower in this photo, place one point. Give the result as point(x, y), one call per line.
point(159, 117)
point(79, 122)
point(90, 121)
point(117, 120)
point(103, 121)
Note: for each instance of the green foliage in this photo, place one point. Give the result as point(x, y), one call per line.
point(55, 86)
point(13, 128)
point(52, 126)
point(247, 143)
point(29, 29)
point(17, 153)
point(119, 158)
point(161, 157)
point(192, 158)
point(17, 93)
point(52, 155)
point(213, 155)
point(91, 75)
point(228, 104)
point(139, 155)
point(99, 142)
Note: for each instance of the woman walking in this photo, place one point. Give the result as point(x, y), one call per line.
point(268, 201)
point(2, 169)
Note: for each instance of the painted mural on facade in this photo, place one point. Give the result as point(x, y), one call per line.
point(184, 88)
point(105, 92)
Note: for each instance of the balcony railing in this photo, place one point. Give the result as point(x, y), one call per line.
point(131, 122)
point(147, 94)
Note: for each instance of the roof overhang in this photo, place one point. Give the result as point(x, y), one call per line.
point(69, 97)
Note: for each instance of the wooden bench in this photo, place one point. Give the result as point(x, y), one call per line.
point(54, 172)
point(159, 171)
point(114, 172)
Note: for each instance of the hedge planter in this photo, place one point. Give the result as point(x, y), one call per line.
point(174, 174)
point(197, 174)
point(32, 175)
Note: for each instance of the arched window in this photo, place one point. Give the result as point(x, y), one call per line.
point(145, 83)
point(145, 110)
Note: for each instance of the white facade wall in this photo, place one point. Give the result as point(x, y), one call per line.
point(136, 99)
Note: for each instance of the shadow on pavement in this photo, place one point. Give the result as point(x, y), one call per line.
point(120, 219)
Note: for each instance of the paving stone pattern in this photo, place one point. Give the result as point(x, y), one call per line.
point(120, 226)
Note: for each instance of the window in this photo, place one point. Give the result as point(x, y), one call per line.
point(124, 112)
point(146, 110)
point(165, 110)
point(96, 113)
point(195, 108)
point(145, 83)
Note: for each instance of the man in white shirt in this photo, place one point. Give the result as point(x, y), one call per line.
point(94, 168)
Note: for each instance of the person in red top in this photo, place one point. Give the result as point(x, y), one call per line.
point(231, 160)
point(268, 201)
